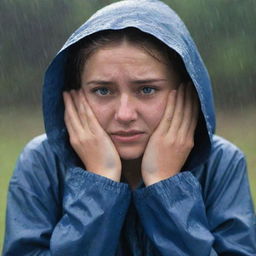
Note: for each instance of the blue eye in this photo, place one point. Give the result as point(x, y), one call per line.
point(102, 91)
point(148, 90)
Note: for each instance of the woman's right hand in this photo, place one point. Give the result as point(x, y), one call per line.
point(88, 139)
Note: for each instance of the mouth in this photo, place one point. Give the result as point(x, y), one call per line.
point(127, 136)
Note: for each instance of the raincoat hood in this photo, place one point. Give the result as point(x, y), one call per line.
point(152, 17)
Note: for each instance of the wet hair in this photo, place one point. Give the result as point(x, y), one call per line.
point(82, 50)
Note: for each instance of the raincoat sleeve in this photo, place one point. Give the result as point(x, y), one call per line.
point(87, 223)
point(179, 222)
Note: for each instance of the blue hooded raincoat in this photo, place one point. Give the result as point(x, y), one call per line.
point(57, 208)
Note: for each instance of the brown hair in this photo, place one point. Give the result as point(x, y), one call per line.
point(80, 52)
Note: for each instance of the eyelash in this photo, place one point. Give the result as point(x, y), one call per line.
point(96, 90)
point(140, 91)
point(148, 87)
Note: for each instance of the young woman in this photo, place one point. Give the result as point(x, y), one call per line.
point(130, 164)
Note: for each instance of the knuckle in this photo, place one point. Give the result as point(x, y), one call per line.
point(168, 119)
point(89, 113)
point(82, 139)
point(77, 140)
point(66, 119)
point(182, 144)
point(65, 114)
point(187, 144)
point(73, 141)
point(81, 109)
point(191, 144)
point(172, 141)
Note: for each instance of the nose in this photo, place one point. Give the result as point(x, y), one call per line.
point(125, 110)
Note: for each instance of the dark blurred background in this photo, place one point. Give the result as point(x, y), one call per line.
point(32, 31)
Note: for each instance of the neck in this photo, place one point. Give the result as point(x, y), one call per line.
point(131, 170)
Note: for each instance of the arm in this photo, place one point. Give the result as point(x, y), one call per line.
point(40, 222)
point(177, 220)
point(173, 216)
point(92, 218)
point(229, 203)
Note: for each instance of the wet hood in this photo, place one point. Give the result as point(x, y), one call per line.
point(149, 16)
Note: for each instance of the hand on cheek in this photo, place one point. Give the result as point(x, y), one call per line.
point(173, 140)
point(88, 139)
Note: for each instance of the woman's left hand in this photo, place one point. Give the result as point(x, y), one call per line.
point(173, 139)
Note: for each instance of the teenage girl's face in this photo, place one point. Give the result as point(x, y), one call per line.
point(127, 89)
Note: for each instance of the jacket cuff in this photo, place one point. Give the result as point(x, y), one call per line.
point(178, 185)
point(78, 177)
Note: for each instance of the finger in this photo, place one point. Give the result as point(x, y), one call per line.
point(71, 118)
point(164, 124)
point(75, 100)
point(195, 114)
point(188, 111)
point(178, 112)
point(66, 98)
point(82, 110)
point(78, 106)
point(92, 121)
point(81, 107)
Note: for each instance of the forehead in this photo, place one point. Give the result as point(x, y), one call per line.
point(124, 58)
point(145, 47)
point(127, 51)
point(123, 49)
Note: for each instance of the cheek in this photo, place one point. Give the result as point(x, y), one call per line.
point(154, 114)
point(102, 112)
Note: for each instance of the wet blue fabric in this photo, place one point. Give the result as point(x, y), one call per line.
point(57, 208)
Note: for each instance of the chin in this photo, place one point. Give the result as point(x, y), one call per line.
point(130, 154)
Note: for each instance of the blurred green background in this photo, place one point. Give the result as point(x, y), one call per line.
point(31, 32)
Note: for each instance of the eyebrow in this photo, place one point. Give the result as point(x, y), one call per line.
point(99, 82)
point(136, 82)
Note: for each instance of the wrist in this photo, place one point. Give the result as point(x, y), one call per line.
point(114, 175)
point(152, 179)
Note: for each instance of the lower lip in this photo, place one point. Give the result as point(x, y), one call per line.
point(132, 138)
